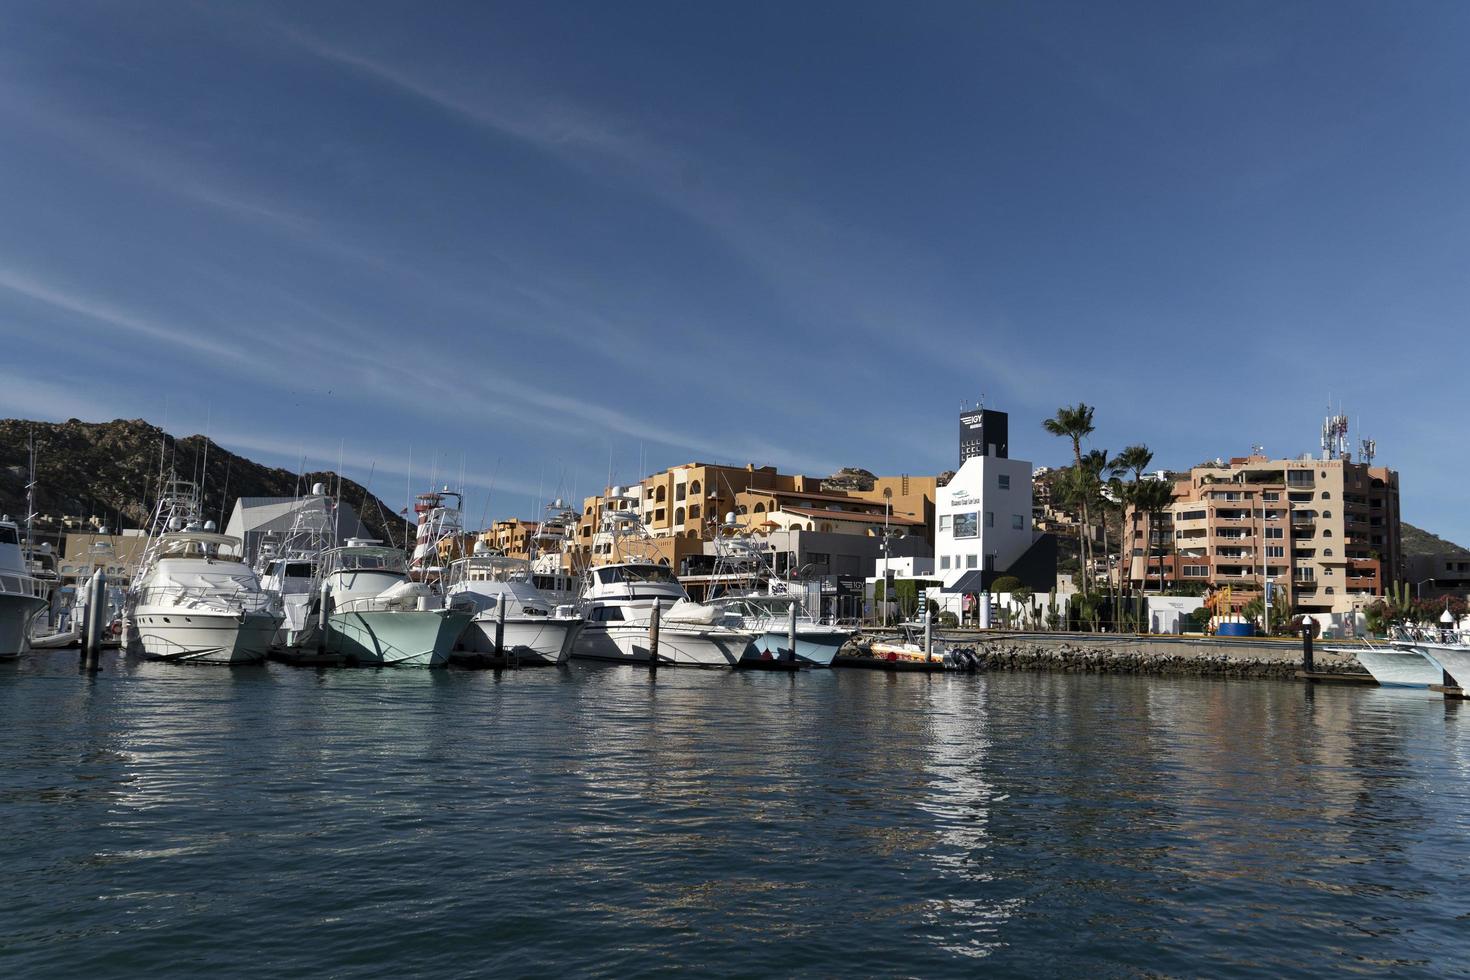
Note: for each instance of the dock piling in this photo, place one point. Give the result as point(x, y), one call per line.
point(928, 636)
point(791, 634)
point(1307, 663)
point(500, 628)
point(95, 621)
point(653, 619)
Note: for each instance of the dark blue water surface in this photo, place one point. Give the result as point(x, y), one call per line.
point(172, 821)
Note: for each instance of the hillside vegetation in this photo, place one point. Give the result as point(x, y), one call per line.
point(110, 470)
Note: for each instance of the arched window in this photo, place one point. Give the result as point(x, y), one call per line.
point(760, 507)
point(1327, 552)
point(1326, 534)
point(1330, 590)
point(1326, 495)
point(1327, 515)
point(694, 487)
point(678, 515)
point(808, 525)
point(659, 495)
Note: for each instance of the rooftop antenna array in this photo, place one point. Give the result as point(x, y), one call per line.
point(1335, 436)
point(1367, 449)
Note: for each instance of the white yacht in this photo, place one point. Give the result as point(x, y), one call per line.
point(618, 600)
point(195, 600)
point(368, 612)
point(618, 605)
point(22, 595)
point(1396, 665)
point(1446, 648)
point(534, 630)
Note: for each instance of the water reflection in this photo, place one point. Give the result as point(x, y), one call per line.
point(167, 820)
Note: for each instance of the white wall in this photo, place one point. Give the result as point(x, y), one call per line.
point(975, 490)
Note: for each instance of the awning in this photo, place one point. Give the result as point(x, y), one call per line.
point(973, 581)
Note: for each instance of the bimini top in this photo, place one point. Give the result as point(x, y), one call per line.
point(363, 557)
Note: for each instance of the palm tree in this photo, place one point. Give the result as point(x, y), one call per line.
point(1094, 465)
point(1075, 424)
point(1150, 497)
point(1133, 459)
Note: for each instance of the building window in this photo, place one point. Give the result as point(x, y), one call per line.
point(1003, 480)
point(1275, 532)
point(658, 515)
point(760, 507)
point(1275, 551)
point(990, 518)
point(1299, 478)
point(1329, 590)
point(678, 515)
point(944, 522)
point(658, 496)
point(1196, 571)
point(1327, 552)
point(694, 487)
point(679, 489)
point(1270, 496)
point(1325, 495)
point(1019, 523)
point(972, 561)
point(1327, 515)
point(990, 563)
point(943, 562)
point(694, 512)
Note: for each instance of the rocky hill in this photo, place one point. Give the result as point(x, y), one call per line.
point(1417, 541)
point(110, 470)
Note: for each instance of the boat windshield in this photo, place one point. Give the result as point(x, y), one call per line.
point(214, 549)
point(371, 559)
point(635, 573)
point(8, 535)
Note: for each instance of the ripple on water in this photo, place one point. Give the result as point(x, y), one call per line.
point(165, 821)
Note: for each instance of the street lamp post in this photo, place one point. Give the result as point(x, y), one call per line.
point(1419, 588)
point(887, 546)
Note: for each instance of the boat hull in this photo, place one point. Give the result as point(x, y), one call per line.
point(531, 639)
point(204, 637)
point(413, 638)
point(16, 614)
point(1454, 660)
point(1400, 668)
point(816, 649)
point(677, 646)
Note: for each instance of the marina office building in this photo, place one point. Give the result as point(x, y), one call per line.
point(984, 524)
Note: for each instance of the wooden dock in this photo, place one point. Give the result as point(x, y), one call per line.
point(1328, 677)
point(934, 666)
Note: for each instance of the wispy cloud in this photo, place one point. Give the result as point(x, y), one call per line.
point(69, 299)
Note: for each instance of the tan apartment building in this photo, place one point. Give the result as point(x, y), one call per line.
point(1325, 531)
point(687, 502)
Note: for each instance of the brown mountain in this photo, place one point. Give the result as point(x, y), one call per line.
point(110, 470)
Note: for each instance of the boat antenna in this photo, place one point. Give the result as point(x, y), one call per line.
point(31, 489)
point(204, 466)
point(224, 499)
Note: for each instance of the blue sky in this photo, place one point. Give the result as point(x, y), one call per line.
point(538, 238)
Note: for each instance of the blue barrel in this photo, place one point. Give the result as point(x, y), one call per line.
point(1236, 629)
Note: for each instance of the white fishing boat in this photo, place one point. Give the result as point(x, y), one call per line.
point(748, 588)
point(508, 605)
point(618, 600)
point(1397, 665)
point(22, 595)
point(1446, 648)
point(288, 567)
point(369, 613)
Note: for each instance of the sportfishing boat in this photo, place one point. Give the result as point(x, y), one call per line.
point(749, 588)
point(196, 601)
point(367, 611)
point(22, 595)
point(440, 520)
point(1400, 664)
point(1446, 648)
point(618, 600)
point(507, 603)
point(288, 567)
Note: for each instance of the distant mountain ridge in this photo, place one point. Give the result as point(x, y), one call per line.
point(110, 470)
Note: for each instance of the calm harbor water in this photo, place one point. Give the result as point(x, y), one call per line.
point(172, 821)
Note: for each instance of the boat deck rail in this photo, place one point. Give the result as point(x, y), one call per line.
point(238, 600)
point(30, 586)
